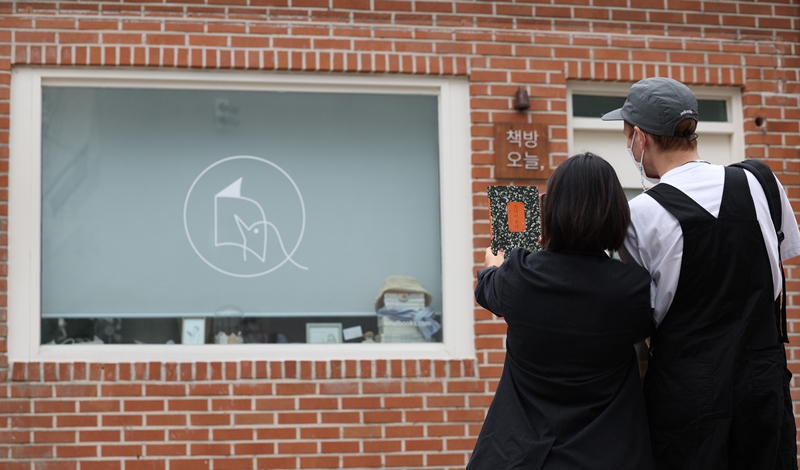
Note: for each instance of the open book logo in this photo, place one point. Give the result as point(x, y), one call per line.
point(246, 243)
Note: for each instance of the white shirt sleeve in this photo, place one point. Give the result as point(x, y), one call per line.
point(791, 242)
point(662, 253)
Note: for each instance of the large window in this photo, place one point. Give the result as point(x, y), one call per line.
point(720, 133)
point(248, 211)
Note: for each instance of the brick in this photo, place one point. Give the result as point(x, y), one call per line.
point(230, 463)
point(297, 418)
point(424, 387)
point(15, 437)
point(76, 420)
point(121, 450)
point(189, 464)
point(253, 389)
point(361, 402)
point(209, 419)
point(14, 406)
point(143, 405)
point(425, 416)
point(383, 446)
point(341, 417)
point(319, 462)
point(255, 448)
point(167, 390)
point(381, 387)
point(276, 462)
point(143, 435)
point(405, 431)
point(338, 388)
point(382, 416)
point(276, 433)
point(404, 460)
point(99, 436)
point(465, 386)
point(446, 430)
point(122, 420)
point(210, 449)
point(231, 404)
point(287, 448)
point(467, 444)
point(319, 432)
point(31, 391)
point(276, 404)
point(89, 406)
point(424, 444)
point(166, 449)
point(361, 432)
point(193, 404)
point(318, 403)
point(51, 436)
point(161, 419)
point(145, 465)
point(118, 390)
point(340, 447)
point(76, 451)
point(446, 459)
point(30, 452)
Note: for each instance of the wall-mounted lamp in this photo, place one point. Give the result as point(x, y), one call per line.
point(521, 101)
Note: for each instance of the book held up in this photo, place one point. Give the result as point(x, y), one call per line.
point(514, 215)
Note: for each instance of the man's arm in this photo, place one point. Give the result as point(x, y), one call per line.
point(791, 242)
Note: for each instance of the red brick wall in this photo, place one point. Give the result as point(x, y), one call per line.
point(341, 414)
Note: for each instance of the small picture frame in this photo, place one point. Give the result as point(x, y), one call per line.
point(323, 333)
point(193, 331)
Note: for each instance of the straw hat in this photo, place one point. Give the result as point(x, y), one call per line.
point(401, 284)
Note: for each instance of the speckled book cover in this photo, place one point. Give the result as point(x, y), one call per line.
point(514, 217)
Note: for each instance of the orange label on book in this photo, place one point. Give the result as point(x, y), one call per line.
point(516, 216)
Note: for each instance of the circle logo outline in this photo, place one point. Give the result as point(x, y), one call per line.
point(302, 208)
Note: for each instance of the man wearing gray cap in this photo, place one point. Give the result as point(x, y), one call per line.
point(717, 385)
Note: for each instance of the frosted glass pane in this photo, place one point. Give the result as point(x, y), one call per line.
point(597, 105)
point(180, 202)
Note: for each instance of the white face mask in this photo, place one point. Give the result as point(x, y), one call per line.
point(640, 165)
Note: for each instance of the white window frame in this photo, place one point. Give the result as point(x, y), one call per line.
point(24, 213)
point(732, 95)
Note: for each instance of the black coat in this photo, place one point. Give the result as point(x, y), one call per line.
point(570, 396)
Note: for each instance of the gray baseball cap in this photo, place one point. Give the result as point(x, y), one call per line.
point(657, 105)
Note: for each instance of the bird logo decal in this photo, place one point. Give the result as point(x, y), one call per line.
point(239, 219)
point(250, 238)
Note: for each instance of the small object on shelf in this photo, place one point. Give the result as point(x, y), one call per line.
point(323, 333)
point(404, 315)
point(405, 300)
point(352, 333)
point(221, 338)
point(400, 331)
point(401, 285)
point(193, 331)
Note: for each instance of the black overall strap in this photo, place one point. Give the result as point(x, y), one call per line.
point(681, 206)
point(766, 178)
point(764, 175)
